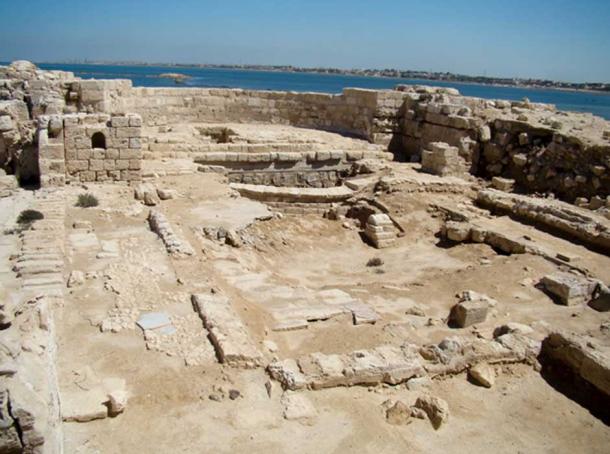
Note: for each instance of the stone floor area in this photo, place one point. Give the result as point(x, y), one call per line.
point(277, 332)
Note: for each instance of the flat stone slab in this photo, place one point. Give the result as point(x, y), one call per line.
point(154, 320)
point(288, 194)
point(84, 406)
point(227, 332)
point(235, 214)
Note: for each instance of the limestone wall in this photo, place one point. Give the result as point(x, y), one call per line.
point(67, 148)
point(542, 149)
point(365, 113)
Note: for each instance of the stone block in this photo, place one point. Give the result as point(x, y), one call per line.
point(130, 154)
point(503, 184)
point(457, 231)
point(467, 313)
point(121, 164)
point(77, 166)
point(379, 220)
point(135, 120)
point(87, 176)
point(119, 122)
point(83, 154)
point(96, 164)
point(569, 289)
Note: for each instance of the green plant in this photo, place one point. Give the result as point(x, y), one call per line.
point(87, 200)
point(29, 216)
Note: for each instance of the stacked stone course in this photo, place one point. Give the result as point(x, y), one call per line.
point(66, 150)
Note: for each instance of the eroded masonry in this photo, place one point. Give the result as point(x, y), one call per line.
point(190, 269)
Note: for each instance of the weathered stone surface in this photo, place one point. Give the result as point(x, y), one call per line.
point(467, 313)
point(579, 224)
point(569, 289)
point(578, 366)
point(380, 230)
point(601, 300)
point(83, 406)
point(227, 332)
point(503, 184)
point(383, 364)
point(147, 194)
point(436, 409)
point(482, 374)
point(398, 414)
point(442, 159)
point(174, 244)
point(457, 231)
point(585, 356)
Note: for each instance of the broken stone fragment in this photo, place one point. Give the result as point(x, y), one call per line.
point(601, 301)
point(146, 193)
point(436, 409)
point(84, 406)
point(117, 401)
point(482, 374)
point(398, 414)
point(472, 309)
point(569, 289)
point(457, 231)
point(503, 184)
point(167, 194)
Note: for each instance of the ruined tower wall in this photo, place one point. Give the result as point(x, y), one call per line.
point(67, 149)
point(363, 113)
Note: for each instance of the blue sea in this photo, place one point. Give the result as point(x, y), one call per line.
point(147, 76)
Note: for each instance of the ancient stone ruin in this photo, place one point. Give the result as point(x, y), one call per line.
point(195, 269)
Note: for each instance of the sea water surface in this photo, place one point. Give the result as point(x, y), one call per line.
point(148, 76)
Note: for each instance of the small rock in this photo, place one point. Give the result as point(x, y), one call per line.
point(269, 387)
point(482, 374)
point(436, 409)
point(167, 194)
point(398, 414)
point(117, 401)
point(234, 394)
point(215, 397)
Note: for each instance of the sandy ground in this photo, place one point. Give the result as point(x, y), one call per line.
point(291, 260)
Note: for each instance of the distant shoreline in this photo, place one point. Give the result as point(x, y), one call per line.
point(602, 88)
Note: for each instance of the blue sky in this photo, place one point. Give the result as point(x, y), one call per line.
point(558, 39)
